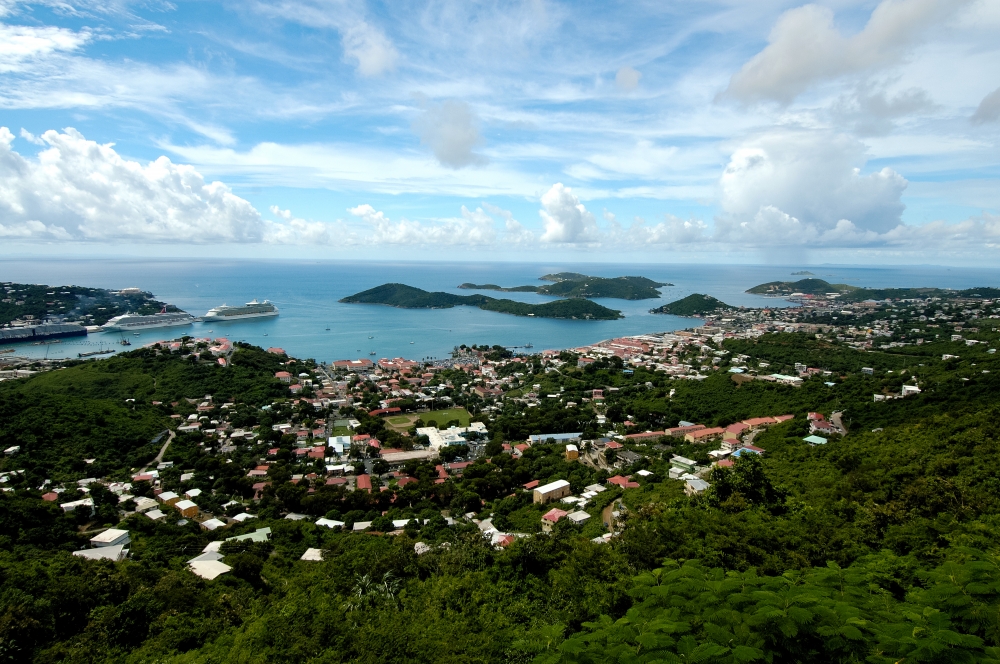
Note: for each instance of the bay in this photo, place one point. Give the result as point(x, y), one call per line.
point(314, 324)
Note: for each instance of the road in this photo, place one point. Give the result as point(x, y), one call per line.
point(163, 450)
point(835, 420)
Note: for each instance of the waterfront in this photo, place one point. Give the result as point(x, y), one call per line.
point(307, 293)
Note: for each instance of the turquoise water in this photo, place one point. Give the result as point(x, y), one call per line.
point(306, 292)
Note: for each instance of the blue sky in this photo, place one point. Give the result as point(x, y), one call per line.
point(677, 131)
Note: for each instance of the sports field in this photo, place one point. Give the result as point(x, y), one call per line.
point(442, 417)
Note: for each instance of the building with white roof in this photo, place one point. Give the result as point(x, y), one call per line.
point(110, 537)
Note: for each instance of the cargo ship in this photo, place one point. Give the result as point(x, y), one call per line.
point(130, 322)
point(41, 332)
point(252, 309)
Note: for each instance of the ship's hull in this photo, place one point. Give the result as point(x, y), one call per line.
point(40, 333)
point(222, 318)
point(125, 326)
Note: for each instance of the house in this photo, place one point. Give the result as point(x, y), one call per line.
point(259, 535)
point(212, 524)
point(110, 537)
point(648, 435)
point(363, 483)
point(685, 464)
point(168, 498)
point(315, 555)
point(85, 503)
point(208, 569)
point(552, 491)
point(623, 482)
point(143, 504)
point(114, 553)
point(572, 453)
point(551, 518)
point(283, 376)
point(531, 485)
point(694, 487)
point(155, 515)
point(703, 435)
point(187, 508)
point(578, 517)
point(815, 440)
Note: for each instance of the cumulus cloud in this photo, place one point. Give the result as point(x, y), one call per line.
point(565, 217)
point(370, 48)
point(989, 108)
point(92, 193)
point(450, 130)
point(627, 79)
point(814, 178)
point(805, 47)
point(475, 227)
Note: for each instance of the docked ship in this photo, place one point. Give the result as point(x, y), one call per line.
point(42, 332)
point(252, 309)
point(129, 322)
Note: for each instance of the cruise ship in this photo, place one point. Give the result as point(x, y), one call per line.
point(252, 309)
point(127, 322)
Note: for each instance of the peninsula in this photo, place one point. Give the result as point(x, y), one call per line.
point(575, 285)
point(408, 297)
point(695, 304)
point(848, 293)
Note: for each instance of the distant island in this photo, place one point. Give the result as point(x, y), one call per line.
point(695, 304)
point(803, 273)
point(848, 293)
point(575, 285)
point(408, 297)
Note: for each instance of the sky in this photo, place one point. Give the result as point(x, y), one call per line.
point(729, 131)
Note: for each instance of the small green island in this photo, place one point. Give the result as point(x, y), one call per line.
point(803, 273)
point(695, 304)
point(409, 297)
point(576, 285)
point(848, 293)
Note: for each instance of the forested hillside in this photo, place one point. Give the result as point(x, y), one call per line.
point(878, 546)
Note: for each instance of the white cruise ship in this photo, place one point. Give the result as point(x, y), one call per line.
point(253, 309)
point(127, 322)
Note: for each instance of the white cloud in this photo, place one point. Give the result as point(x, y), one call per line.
point(627, 79)
point(805, 47)
point(449, 130)
point(989, 108)
point(813, 177)
point(565, 217)
point(370, 48)
point(475, 228)
point(23, 44)
point(870, 109)
point(93, 193)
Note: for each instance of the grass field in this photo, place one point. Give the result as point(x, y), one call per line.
point(442, 417)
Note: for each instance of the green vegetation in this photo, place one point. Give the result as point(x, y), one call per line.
point(695, 304)
point(856, 294)
point(408, 297)
point(806, 286)
point(92, 306)
point(572, 285)
point(878, 547)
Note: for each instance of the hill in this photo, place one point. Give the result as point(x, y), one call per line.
point(409, 297)
point(848, 293)
point(807, 286)
point(571, 284)
point(91, 306)
point(695, 304)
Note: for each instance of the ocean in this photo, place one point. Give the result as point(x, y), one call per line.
point(313, 324)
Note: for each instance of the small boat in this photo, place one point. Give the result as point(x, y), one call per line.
point(373, 353)
point(411, 342)
point(265, 334)
point(371, 337)
point(327, 329)
point(136, 333)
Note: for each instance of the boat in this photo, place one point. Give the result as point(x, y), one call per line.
point(42, 332)
point(252, 309)
point(132, 321)
point(96, 352)
point(373, 353)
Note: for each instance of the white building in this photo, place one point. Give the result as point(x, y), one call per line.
point(110, 537)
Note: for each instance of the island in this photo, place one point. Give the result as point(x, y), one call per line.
point(695, 304)
point(818, 288)
point(409, 297)
point(575, 285)
point(32, 303)
point(803, 273)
